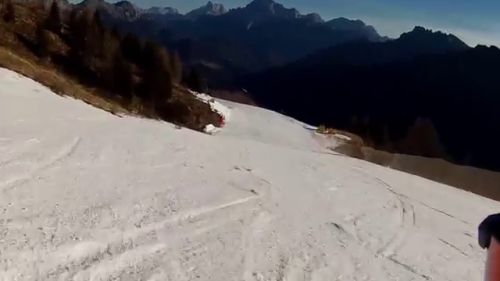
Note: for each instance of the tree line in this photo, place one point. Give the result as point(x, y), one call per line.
point(137, 71)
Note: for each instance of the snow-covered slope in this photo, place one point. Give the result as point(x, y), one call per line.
point(86, 195)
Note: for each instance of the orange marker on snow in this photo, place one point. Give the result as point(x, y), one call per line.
point(489, 238)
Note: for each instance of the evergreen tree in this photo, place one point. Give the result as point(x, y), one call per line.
point(79, 25)
point(73, 20)
point(422, 139)
point(8, 11)
point(160, 78)
point(195, 81)
point(131, 48)
point(97, 34)
point(89, 43)
point(53, 22)
point(115, 33)
point(43, 41)
point(157, 80)
point(122, 77)
point(89, 53)
point(110, 45)
point(176, 68)
point(97, 21)
point(149, 55)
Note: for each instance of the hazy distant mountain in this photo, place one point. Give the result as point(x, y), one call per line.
point(407, 46)
point(262, 10)
point(313, 18)
point(210, 9)
point(355, 26)
point(438, 41)
point(266, 33)
point(162, 11)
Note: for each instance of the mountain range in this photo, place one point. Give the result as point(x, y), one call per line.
point(224, 43)
point(211, 9)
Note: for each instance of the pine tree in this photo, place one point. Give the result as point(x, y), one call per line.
point(90, 41)
point(423, 139)
point(97, 34)
point(195, 81)
point(122, 77)
point(53, 22)
point(9, 12)
point(97, 21)
point(110, 45)
point(149, 55)
point(176, 68)
point(73, 21)
point(115, 33)
point(43, 41)
point(131, 48)
point(78, 27)
point(161, 79)
point(157, 79)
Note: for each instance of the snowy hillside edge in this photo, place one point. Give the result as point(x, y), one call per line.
point(223, 111)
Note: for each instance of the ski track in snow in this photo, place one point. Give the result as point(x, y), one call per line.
point(86, 195)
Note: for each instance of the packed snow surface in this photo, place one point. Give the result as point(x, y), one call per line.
point(86, 195)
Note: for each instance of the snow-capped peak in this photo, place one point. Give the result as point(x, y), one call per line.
point(162, 11)
point(210, 9)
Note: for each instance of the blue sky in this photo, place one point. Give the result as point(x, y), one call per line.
point(474, 21)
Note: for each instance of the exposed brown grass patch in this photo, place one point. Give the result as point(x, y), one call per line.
point(59, 83)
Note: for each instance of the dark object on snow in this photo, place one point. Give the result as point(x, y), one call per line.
point(489, 237)
point(489, 228)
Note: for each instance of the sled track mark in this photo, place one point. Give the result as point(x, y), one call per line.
point(444, 213)
point(110, 267)
point(19, 149)
point(409, 268)
point(63, 154)
point(419, 202)
point(343, 236)
point(250, 235)
point(453, 247)
point(135, 258)
point(136, 245)
point(408, 220)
